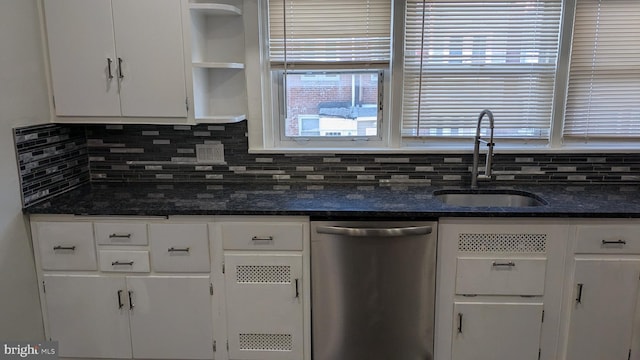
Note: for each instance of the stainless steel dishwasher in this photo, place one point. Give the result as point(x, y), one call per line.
point(373, 290)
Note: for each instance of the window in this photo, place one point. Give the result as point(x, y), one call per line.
point(604, 82)
point(415, 74)
point(328, 60)
point(461, 57)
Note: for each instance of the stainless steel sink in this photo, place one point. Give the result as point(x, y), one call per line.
point(488, 198)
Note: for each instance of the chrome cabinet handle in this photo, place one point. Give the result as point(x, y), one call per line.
point(122, 263)
point(120, 236)
point(616, 242)
point(109, 61)
point(503, 264)
point(131, 304)
point(579, 297)
point(459, 323)
point(297, 289)
point(173, 249)
point(59, 247)
point(263, 238)
point(120, 73)
point(120, 304)
point(379, 232)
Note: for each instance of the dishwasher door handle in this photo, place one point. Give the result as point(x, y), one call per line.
point(378, 232)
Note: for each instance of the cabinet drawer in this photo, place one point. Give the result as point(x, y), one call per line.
point(121, 233)
point(124, 261)
point(608, 239)
point(66, 245)
point(500, 276)
point(179, 247)
point(262, 236)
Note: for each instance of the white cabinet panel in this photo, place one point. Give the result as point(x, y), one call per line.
point(179, 247)
point(148, 37)
point(262, 236)
point(500, 276)
point(81, 43)
point(602, 317)
point(88, 315)
point(264, 306)
point(172, 317)
point(496, 331)
point(66, 245)
point(121, 233)
point(608, 239)
point(124, 261)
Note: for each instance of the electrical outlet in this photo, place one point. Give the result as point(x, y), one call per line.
point(210, 153)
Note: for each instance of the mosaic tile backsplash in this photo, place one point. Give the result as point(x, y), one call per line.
point(51, 159)
point(170, 154)
point(181, 153)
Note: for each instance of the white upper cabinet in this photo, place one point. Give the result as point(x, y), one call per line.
point(114, 58)
point(82, 54)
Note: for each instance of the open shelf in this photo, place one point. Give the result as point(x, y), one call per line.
point(220, 119)
point(217, 61)
point(217, 65)
point(215, 9)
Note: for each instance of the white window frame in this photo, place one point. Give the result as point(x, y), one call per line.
point(264, 120)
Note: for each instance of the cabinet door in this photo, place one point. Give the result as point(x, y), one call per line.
point(88, 315)
point(171, 318)
point(81, 43)
point(491, 331)
point(148, 37)
point(264, 306)
point(606, 294)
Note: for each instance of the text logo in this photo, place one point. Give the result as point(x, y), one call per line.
point(45, 350)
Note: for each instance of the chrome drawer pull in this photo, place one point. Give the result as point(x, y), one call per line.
point(503, 264)
point(120, 304)
point(122, 263)
point(173, 249)
point(120, 236)
point(109, 61)
point(120, 73)
point(265, 238)
point(579, 297)
point(70, 248)
point(131, 304)
point(616, 242)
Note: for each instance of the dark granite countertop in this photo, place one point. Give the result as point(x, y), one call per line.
point(330, 201)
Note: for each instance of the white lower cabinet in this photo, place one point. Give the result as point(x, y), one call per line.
point(266, 262)
point(171, 317)
point(88, 315)
point(605, 309)
point(122, 317)
point(499, 288)
point(181, 288)
point(497, 331)
point(264, 306)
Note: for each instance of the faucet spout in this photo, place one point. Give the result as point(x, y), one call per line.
point(476, 150)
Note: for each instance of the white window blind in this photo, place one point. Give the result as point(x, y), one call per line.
point(604, 82)
point(461, 57)
point(347, 32)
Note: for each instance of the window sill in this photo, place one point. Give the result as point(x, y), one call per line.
point(453, 149)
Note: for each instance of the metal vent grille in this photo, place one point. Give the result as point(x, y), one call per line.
point(266, 342)
point(503, 243)
point(264, 274)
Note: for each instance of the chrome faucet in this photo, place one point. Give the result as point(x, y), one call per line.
point(476, 151)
